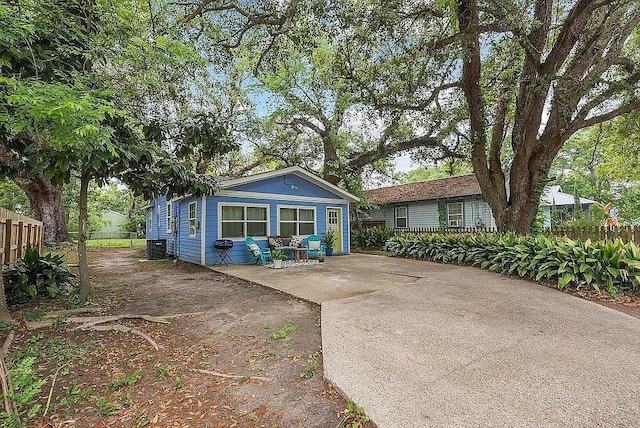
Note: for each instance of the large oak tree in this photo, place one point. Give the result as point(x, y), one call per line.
point(534, 73)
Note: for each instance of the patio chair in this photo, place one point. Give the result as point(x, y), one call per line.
point(314, 246)
point(257, 254)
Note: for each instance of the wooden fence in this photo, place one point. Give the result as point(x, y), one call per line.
point(440, 230)
point(17, 232)
point(601, 233)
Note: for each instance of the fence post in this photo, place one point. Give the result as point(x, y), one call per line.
point(20, 239)
point(7, 241)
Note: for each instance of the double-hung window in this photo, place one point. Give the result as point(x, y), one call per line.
point(401, 216)
point(169, 229)
point(192, 219)
point(239, 221)
point(297, 221)
point(455, 214)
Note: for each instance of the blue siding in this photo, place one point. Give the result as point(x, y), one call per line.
point(188, 249)
point(239, 252)
point(283, 186)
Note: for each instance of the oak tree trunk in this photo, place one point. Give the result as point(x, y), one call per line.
point(331, 167)
point(83, 267)
point(46, 206)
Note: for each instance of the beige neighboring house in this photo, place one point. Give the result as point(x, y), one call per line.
point(415, 205)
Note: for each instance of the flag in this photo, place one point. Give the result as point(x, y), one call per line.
point(607, 207)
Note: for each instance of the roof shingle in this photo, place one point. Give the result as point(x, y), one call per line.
point(443, 188)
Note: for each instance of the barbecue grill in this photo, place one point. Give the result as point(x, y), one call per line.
point(220, 244)
point(223, 246)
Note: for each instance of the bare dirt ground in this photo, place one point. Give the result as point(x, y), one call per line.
point(262, 346)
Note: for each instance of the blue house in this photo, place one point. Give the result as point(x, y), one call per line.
point(286, 202)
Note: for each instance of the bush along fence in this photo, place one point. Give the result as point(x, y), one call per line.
point(614, 265)
point(18, 233)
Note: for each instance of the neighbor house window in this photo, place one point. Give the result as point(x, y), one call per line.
point(169, 217)
point(401, 216)
point(192, 219)
point(454, 214)
point(297, 221)
point(239, 221)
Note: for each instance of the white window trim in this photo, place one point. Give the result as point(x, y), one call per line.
point(461, 213)
point(405, 217)
point(195, 218)
point(304, 207)
point(150, 219)
point(245, 206)
point(169, 214)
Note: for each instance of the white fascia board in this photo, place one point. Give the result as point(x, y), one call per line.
point(290, 170)
point(279, 197)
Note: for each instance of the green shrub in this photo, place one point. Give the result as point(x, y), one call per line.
point(557, 260)
point(371, 238)
point(35, 275)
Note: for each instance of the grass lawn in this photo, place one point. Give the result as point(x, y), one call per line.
point(117, 243)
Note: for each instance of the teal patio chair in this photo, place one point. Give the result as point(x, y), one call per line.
point(314, 246)
point(257, 254)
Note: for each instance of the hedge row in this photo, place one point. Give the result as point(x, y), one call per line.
point(550, 259)
point(371, 238)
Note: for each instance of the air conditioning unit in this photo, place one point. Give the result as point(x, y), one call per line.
point(455, 223)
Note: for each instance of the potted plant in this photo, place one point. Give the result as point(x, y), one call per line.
point(277, 256)
point(329, 239)
point(320, 258)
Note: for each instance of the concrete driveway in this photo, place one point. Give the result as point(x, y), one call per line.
point(421, 344)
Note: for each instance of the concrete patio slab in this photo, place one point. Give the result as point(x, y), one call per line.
point(337, 278)
point(465, 347)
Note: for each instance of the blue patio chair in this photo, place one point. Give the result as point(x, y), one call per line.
point(257, 254)
point(314, 246)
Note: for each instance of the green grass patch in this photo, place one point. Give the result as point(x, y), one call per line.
point(285, 329)
point(117, 243)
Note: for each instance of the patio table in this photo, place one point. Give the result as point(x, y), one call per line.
point(301, 254)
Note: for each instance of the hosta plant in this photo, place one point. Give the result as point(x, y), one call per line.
point(614, 265)
point(35, 274)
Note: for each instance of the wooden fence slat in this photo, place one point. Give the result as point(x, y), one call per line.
point(21, 239)
point(8, 227)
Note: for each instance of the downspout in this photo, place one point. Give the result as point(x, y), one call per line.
point(203, 232)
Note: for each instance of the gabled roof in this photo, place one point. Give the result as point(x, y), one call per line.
point(552, 195)
point(454, 187)
point(296, 170)
point(443, 188)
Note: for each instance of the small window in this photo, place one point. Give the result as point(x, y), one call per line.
point(192, 219)
point(150, 211)
point(454, 214)
point(401, 217)
point(241, 221)
point(297, 221)
point(169, 230)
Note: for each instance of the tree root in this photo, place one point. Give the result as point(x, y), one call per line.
point(49, 321)
point(229, 376)
point(124, 329)
point(93, 321)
